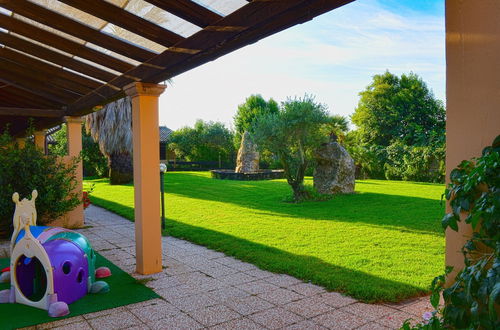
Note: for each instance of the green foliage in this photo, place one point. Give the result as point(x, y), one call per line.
point(293, 134)
point(94, 162)
point(472, 302)
point(400, 131)
point(206, 141)
point(25, 169)
point(399, 108)
point(248, 112)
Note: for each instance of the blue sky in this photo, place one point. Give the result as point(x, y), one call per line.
point(332, 57)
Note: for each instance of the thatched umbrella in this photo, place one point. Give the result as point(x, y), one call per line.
point(111, 128)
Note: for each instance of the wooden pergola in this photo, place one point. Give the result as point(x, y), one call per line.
point(60, 60)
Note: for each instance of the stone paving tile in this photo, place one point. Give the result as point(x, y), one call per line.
point(242, 323)
point(62, 322)
point(259, 273)
point(308, 307)
point(275, 318)
point(237, 278)
point(120, 320)
point(164, 282)
point(243, 266)
point(248, 305)
point(154, 312)
point(214, 315)
point(257, 287)
point(280, 296)
point(419, 307)
point(395, 320)
point(309, 325)
point(75, 326)
point(367, 311)
point(192, 303)
point(282, 280)
point(178, 322)
point(177, 292)
point(335, 299)
point(375, 326)
point(337, 319)
point(307, 289)
point(223, 294)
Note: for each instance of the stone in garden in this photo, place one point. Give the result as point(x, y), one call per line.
point(248, 156)
point(335, 169)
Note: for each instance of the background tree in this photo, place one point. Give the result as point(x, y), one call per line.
point(111, 128)
point(400, 130)
point(399, 108)
point(293, 134)
point(206, 141)
point(248, 112)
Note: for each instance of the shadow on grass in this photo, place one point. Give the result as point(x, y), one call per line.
point(354, 283)
point(266, 197)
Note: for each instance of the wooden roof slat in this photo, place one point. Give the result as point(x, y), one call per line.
point(54, 57)
point(32, 87)
point(126, 20)
point(31, 112)
point(69, 46)
point(24, 77)
point(53, 80)
point(79, 30)
point(255, 18)
point(27, 96)
point(188, 10)
point(80, 83)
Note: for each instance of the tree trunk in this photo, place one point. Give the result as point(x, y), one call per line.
point(121, 170)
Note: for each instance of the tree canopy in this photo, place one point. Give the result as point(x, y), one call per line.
point(399, 108)
point(248, 112)
point(293, 133)
point(203, 142)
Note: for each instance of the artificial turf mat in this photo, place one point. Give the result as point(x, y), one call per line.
point(124, 290)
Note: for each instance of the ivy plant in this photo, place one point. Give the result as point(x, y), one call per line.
point(472, 301)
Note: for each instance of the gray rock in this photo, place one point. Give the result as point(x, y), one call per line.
point(248, 156)
point(335, 170)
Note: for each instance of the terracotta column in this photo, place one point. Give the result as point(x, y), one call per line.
point(74, 134)
point(472, 92)
point(146, 137)
point(39, 137)
point(21, 142)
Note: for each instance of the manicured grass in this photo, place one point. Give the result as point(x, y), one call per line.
point(124, 290)
point(383, 243)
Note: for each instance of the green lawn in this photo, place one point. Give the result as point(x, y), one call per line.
point(384, 243)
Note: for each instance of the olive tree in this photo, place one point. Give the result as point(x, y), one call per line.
point(293, 133)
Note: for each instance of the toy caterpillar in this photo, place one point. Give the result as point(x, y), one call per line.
point(50, 267)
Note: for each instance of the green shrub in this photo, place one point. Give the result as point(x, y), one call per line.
point(24, 169)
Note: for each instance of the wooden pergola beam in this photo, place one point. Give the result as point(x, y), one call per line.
point(54, 57)
point(126, 20)
point(69, 46)
point(79, 30)
point(26, 97)
point(188, 10)
point(81, 83)
point(31, 112)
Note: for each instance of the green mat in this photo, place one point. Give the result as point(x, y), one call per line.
point(124, 290)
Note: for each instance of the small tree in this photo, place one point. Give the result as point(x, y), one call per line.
point(293, 134)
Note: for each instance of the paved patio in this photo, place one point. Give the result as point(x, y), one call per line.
point(201, 288)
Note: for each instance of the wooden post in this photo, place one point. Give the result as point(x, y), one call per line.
point(146, 139)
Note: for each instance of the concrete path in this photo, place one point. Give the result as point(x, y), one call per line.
point(201, 288)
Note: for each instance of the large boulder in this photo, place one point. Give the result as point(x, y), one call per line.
point(248, 156)
point(335, 170)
